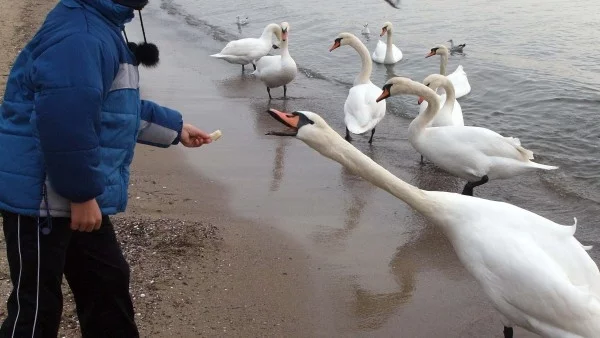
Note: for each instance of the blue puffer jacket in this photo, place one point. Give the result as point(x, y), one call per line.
point(72, 114)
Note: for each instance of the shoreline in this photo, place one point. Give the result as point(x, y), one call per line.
point(210, 272)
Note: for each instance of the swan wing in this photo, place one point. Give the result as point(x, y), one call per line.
point(362, 113)
point(397, 53)
point(541, 279)
point(267, 65)
point(248, 47)
point(460, 82)
point(379, 52)
point(481, 140)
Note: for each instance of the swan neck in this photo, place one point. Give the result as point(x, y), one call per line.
point(389, 52)
point(367, 65)
point(285, 52)
point(443, 63)
point(268, 32)
point(360, 164)
point(423, 119)
point(450, 96)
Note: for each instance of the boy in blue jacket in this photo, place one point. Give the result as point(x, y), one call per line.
point(69, 122)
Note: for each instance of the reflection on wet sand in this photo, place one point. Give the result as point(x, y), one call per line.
point(430, 250)
point(360, 192)
point(278, 161)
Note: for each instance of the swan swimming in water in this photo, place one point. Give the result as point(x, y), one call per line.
point(458, 78)
point(537, 275)
point(387, 53)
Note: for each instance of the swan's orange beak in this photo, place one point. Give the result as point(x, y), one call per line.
point(432, 53)
point(383, 31)
point(285, 118)
point(336, 44)
point(420, 100)
point(384, 95)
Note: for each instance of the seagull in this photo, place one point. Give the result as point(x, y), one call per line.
point(242, 22)
point(393, 3)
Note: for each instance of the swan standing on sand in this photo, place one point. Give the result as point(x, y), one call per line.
point(277, 70)
point(458, 77)
point(472, 153)
point(387, 53)
point(535, 272)
point(361, 111)
point(249, 50)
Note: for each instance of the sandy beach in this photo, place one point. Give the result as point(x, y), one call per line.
point(197, 270)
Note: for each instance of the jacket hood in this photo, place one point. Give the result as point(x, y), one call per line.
point(115, 13)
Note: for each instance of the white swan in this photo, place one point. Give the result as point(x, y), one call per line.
point(447, 115)
point(535, 272)
point(277, 70)
point(472, 153)
point(249, 50)
point(361, 111)
point(458, 77)
point(387, 53)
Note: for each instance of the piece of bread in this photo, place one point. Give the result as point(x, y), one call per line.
point(215, 135)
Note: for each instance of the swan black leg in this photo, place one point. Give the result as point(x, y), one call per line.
point(348, 138)
point(269, 91)
point(284, 90)
point(468, 190)
point(243, 68)
point(421, 159)
point(372, 133)
point(508, 332)
point(253, 65)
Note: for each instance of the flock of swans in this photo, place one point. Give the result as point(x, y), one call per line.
point(536, 273)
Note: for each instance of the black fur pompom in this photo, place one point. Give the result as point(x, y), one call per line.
point(146, 54)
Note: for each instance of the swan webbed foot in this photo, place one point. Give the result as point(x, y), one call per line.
point(468, 190)
point(348, 137)
point(284, 90)
point(508, 332)
point(269, 91)
point(372, 133)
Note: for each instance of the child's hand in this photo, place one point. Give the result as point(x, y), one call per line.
point(85, 216)
point(193, 137)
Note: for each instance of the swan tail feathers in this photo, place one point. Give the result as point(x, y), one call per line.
point(573, 229)
point(527, 154)
point(542, 166)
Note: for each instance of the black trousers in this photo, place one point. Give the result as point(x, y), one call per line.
point(93, 265)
